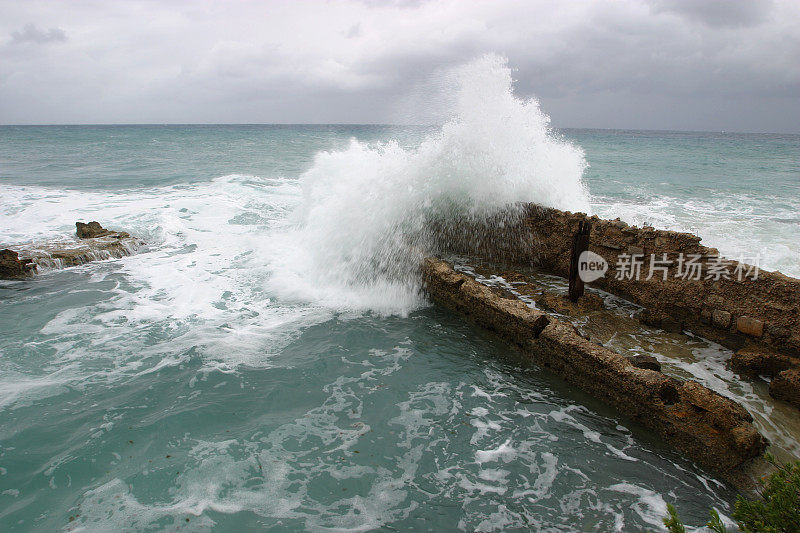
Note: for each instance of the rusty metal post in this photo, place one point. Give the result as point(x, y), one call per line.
point(580, 243)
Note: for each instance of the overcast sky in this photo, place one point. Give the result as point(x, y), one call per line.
point(664, 64)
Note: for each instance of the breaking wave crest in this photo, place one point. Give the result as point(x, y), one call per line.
point(364, 222)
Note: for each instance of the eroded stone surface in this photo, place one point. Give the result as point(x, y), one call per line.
point(786, 387)
point(750, 326)
point(754, 360)
point(706, 306)
point(646, 361)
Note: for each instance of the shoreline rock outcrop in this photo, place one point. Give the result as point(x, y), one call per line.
point(722, 308)
point(713, 430)
point(94, 243)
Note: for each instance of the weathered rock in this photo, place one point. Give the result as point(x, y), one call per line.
point(754, 360)
point(510, 318)
point(646, 361)
point(721, 319)
point(12, 267)
point(91, 230)
point(531, 234)
point(750, 326)
point(95, 244)
point(661, 320)
point(786, 387)
point(709, 428)
point(635, 250)
point(561, 304)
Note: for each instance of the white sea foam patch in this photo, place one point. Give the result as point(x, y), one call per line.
point(650, 506)
point(198, 287)
point(367, 210)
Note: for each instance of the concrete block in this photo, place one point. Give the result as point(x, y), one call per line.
point(750, 326)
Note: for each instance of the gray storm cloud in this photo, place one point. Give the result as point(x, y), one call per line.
point(719, 12)
point(667, 64)
point(31, 34)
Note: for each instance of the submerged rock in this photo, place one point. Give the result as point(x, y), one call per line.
point(660, 320)
point(561, 304)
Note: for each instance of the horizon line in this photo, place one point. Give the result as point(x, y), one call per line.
point(381, 124)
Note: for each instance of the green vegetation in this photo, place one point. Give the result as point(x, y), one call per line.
point(777, 511)
point(673, 523)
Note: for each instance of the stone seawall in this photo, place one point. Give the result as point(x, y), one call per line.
point(709, 428)
point(764, 311)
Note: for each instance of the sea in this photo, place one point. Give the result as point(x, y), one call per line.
point(268, 361)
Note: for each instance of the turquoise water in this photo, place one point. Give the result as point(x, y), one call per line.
point(236, 375)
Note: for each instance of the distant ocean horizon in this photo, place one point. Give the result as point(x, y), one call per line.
point(388, 124)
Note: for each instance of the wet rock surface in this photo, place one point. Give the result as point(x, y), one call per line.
point(758, 360)
point(786, 386)
point(725, 309)
point(12, 267)
point(660, 320)
point(90, 230)
point(709, 428)
point(646, 361)
point(94, 243)
point(561, 304)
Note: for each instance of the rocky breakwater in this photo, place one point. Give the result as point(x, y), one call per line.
point(708, 428)
point(93, 243)
point(681, 284)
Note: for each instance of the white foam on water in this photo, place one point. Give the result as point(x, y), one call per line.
point(291, 474)
point(650, 506)
point(21, 390)
point(563, 416)
point(196, 288)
